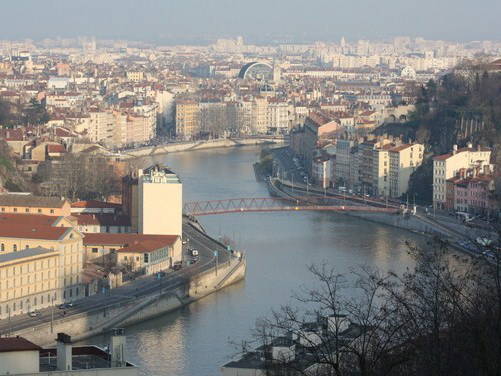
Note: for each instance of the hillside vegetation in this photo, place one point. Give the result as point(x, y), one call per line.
point(460, 107)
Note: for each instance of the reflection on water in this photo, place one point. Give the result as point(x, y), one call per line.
point(279, 246)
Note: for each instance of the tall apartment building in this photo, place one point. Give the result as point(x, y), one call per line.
point(404, 160)
point(101, 126)
point(187, 118)
point(152, 198)
point(446, 166)
point(344, 161)
point(259, 115)
point(277, 115)
point(160, 208)
point(386, 166)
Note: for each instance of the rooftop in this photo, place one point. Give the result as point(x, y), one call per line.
point(31, 201)
point(28, 219)
point(34, 231)
point(29, 252)
point(10, 344)
point(130, 242)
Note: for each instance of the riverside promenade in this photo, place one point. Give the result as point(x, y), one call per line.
point(178, 147)
point(139, 300)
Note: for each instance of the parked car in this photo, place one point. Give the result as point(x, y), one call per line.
point(177, 265)
point(65, 305)
point(34, 313)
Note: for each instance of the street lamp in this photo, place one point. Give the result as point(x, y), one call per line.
point(216, 254)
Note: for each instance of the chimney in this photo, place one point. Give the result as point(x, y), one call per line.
point(117, 348)
point(469, 145)
point(64, 352)
point(454, 149)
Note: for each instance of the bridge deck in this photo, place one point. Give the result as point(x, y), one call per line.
point(267, 204)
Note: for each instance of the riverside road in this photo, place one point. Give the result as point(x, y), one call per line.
point(138, 288)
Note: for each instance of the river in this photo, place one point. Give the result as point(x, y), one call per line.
point(197, 339)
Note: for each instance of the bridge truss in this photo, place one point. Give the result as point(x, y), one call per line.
point(271, 204)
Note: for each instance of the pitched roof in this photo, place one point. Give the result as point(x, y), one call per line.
point(56, 148)
point(102, 219)
point(10, 344)
point(31, 201)
point(28, 252)
point(27, 219)
point(24, 231)
point(130, 242)
point(95, 204)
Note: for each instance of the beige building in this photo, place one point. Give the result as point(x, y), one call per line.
point(135, 76)
point(446, 166)
point(29, 204)
point(29, 280)
point(404, 160)
point(151, 253)
point(187, 119)
point(66, 242)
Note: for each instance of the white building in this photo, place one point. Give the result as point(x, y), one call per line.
point(160, 206)
point(446, 166)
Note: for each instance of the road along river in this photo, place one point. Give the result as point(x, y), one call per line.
point(196, 340)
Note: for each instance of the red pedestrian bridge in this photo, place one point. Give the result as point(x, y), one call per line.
point(272, 204)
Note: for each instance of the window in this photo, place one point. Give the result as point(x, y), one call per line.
point(3, 209)
point(94, 250)
point(27, 246)
point(15, 210)
point(146, 258)
point(51, 211)
point(14, 248)
point(2, 247)
point(27, 210)
point(39, 210)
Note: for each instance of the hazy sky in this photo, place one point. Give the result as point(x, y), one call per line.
point(258, 20)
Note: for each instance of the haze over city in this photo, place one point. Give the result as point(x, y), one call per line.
point(259, 21)
point(250, 188)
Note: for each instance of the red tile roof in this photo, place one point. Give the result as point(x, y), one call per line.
point(95, 204)
point(27, 219)
point(17, 344)
point(34, 231)
point(56, 148)
point(102, 219)
point(131, 242)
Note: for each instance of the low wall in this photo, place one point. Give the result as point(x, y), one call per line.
point(406, 222)
point(88, 324)
point(198, 145)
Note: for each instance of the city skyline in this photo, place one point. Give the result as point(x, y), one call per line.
point(197, 21)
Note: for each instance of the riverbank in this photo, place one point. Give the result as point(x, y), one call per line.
point(200, 145)
point(165, 295)
point(414, 223)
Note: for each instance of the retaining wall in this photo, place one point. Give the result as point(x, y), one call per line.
point(198, 145)
point(88, 324)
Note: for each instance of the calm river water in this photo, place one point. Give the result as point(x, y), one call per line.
point(197, 340)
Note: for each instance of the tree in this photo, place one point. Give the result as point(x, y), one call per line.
point(442, 317)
